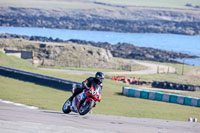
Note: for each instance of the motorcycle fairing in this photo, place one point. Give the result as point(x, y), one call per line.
point(77, 100)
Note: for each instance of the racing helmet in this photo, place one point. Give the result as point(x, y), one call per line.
point(99, 76)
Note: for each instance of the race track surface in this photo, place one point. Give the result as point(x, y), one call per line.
point(17, 119)
point(151, 69)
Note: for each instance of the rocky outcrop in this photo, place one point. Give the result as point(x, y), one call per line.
point(130, 51)
point(127, 19)
point(64, 54)
point(72, 55)
point(123, 50)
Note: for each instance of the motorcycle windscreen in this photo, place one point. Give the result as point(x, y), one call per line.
point(97, 87)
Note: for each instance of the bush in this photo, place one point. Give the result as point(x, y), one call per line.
point(197, 6)
point(188, 5)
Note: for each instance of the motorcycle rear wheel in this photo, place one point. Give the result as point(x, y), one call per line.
point(66, 107)
point(84, 109)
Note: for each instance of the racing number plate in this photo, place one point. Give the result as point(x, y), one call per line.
point(92, 92)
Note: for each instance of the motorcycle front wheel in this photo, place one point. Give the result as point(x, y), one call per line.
point(66, 107)
point(84, 109)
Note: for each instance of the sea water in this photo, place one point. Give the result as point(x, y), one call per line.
point(171, 42)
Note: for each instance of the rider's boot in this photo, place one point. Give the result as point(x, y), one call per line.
point(79, 90)
point(70, 99)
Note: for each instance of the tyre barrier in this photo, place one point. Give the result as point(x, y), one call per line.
point(160, 96)
point(174, 86)
point(39, 79)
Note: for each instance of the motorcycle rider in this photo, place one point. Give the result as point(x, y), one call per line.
point(98, 79)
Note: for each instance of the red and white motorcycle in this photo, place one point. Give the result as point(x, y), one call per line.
point(85, 101)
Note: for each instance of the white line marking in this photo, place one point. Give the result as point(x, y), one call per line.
point(19, 104)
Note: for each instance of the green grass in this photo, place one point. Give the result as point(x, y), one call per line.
point(49, 4)
point(113, 103)
point(154, 3)
point(31, 94)
point(88, 4)
point(179, 67)
point(189, 76)
point(170, 78)
point(85, 69)
point(134, 67)
point(15, 62)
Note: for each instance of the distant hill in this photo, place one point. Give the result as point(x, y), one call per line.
point(177, 17)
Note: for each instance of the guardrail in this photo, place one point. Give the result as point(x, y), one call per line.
point(39, 79)
point(160, 96)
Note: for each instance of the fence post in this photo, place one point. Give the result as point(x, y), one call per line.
point(168, 70)
point(158, 69)
point(183, 67)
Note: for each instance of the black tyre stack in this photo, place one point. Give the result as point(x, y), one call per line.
point(174, 86)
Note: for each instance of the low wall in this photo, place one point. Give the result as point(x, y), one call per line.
point(38, 78)
point(160, 96)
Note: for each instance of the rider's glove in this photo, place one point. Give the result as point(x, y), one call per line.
point(87, 87)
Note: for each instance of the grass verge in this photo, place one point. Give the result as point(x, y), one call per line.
point(185, 74)
point(77, 4)
point(113, 103)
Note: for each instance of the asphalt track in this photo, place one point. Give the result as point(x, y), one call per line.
point(151, 69)
point(17, 119)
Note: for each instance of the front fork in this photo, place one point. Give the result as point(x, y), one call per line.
point(89, 98)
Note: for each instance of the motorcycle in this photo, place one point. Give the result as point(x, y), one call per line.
point(83, 102)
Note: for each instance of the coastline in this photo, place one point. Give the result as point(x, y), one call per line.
point(136, 20)
point(122, 50)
